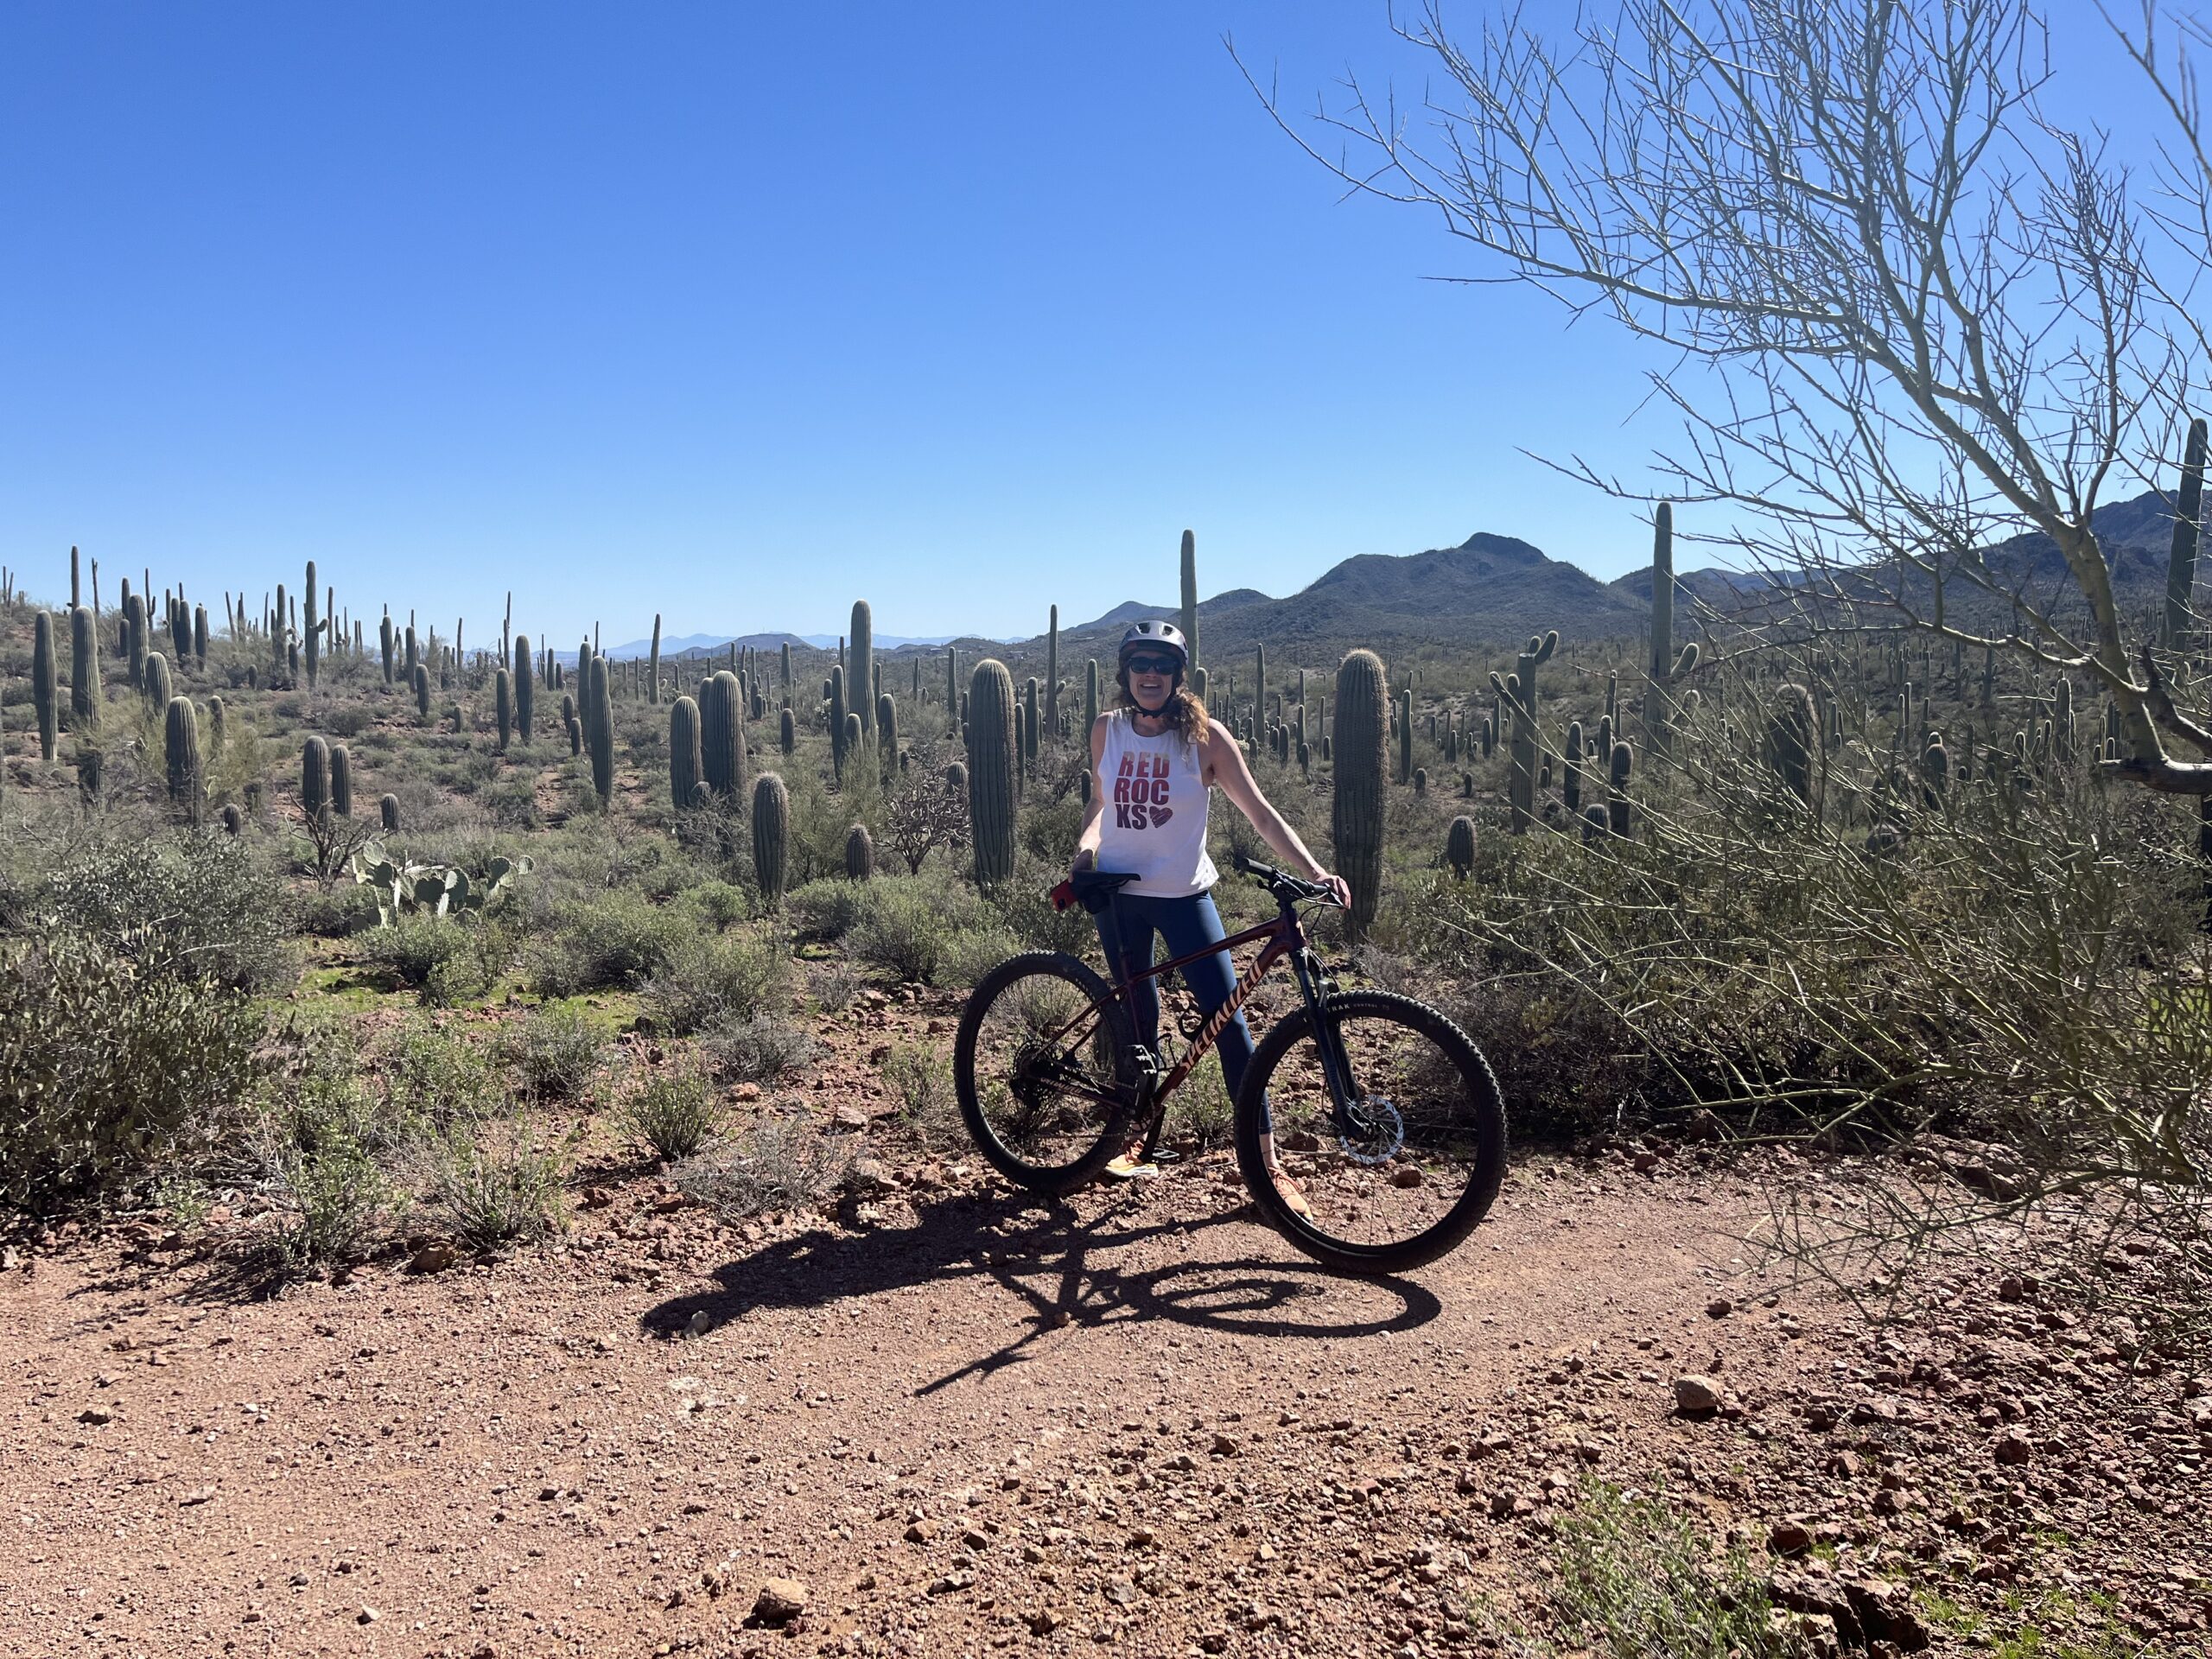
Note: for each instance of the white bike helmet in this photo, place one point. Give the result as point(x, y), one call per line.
point(1160, 636)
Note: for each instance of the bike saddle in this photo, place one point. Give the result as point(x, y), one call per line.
point(1091, 888)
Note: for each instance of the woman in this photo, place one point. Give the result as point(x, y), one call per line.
point(1155, 758)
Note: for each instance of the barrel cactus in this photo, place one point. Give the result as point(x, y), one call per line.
point(993, 764)
point(772, 805)
point(1459, 846)
point(1360, 754)
point(181, 744)
point(388, 813)
point(685, 759)
point(859, 854)
point(314, 778)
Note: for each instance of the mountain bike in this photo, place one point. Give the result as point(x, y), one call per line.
point(1384, 1113)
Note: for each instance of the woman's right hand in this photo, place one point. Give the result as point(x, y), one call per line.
point(1086, 859)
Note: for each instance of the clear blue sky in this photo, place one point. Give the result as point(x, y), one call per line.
point(738, 313)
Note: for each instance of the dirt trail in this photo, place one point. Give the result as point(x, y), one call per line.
point(1147, 1393)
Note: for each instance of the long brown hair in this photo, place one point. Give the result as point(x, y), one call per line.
point(1185, 714)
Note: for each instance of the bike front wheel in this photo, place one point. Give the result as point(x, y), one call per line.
point(1044, 1067)
point(1403, 1170)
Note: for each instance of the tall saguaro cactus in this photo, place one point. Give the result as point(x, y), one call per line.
point(772, 808)
point(1191, 599)
point(599, 731)
point(652, 689)
point(860, 675)
point(685, 759)
point(992, 766)
point(311, 627)
point(526, 690)
point(181, 742)
point(46, 686)
point(1053, 675)
point(314, 778)
point(1519, 691)
point(722, 736)
point(1356, 812)
point(1667, 665)
point(84, 670)
point(2181, 561)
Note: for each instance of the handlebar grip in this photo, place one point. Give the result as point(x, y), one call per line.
point(1241, 861)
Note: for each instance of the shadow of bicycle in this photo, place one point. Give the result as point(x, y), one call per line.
point(1068, 1266)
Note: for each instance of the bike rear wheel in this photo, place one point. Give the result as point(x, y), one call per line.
point(1406, 1173)
point(1044, 1067)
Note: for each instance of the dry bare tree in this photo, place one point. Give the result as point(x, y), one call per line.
point(1905, 313)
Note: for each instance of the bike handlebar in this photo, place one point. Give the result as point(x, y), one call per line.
point(1281, 882)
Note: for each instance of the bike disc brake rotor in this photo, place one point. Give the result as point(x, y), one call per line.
point(1371, 1130)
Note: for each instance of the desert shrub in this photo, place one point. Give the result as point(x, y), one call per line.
point(1202, 1109)
point(832, 986)
point(721, 904)
point(613, 941)
point(1634, 1579)
point(671, 1111)
point(714, 980)
point(107, 1067)
point(339, 911)
point(762, 1050)
point(345, 720)
point(502, 1186)
point(337, 1199)
point(907, 921)
point(1026, 911)
point(191, 905)
point(827, 910)
point(448, 961)
point(968, 954)
point(556, 1053)
point(779, 1160)
point(431, 1076)
point(920, 1079)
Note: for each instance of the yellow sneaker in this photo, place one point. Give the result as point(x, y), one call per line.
point(1288, 1192)
point(1130, 1164)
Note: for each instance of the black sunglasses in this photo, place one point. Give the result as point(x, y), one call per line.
point(1152, 664)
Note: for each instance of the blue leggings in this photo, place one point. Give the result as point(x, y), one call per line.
point(1187, 925)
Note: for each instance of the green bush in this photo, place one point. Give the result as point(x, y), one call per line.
point(671, 1111)
point(714, 980)
point(339, 1198)
point(613, 941)
point(779, 1161)
point(555, 1052)
point(920, 1080)
point(107, 1067)
point(908, 921)
point(721, 904)
point(502, 1187)
point(434, 1080)
point(191, 905)
point(762, 1050)
point(1024, 905)
point(968, 955)
point(827, 910)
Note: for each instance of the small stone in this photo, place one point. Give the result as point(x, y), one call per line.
point(2011, 1288)
point(920, 1532)
point(367, 1616)
point(1407, 1175)
point(1225, 1446)
point(434, 1257)
point(780, 1601)
point(98, 1416)
point(1788, 1538)
point(1696, 1395)
point(2012, 1446)
point(1718, 1308)
point(198, 1495)
point(698, 1326)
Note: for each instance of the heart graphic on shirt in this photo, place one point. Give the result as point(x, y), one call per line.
point(1160, 815)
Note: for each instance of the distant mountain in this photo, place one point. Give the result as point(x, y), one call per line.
point(706, 643)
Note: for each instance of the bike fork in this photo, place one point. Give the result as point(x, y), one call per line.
point(1336, 1064)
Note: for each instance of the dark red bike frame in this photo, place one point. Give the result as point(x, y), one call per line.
point(1284, 936)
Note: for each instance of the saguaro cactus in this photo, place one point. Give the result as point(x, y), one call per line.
point(182, 744)
point(388, 812)
point(992, 765)
point(420, 676)
point(652, 686)
point(721, 736)
point(786, 731)
point(1052, 675)
point(387, 643)
point(200, 636)
point(1191, 600)
point(1788, 750)
point(886, 733)
point(311, 627)
point(341, 780)
point(860, 676)
point(1618, 812)
point(859, 854)
point(685, 759)
point(134, 639)
point(502, 702)
point(314, 778)
point(46, 686)
point(84, 670)
point(2181, 561)
point(1667, 665)
point(1520, 701)
point(599, 731)
point(1089, 697)
point(1459, 846)
point(1355, 811)
point(159, 689)
point(772, 804)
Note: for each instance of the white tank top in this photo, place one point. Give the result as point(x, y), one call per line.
point(1155, 813)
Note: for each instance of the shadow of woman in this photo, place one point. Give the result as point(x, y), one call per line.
point(1062, 1264)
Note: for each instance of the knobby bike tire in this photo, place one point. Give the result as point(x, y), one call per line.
point(1476, 1113)
point(1054, 979)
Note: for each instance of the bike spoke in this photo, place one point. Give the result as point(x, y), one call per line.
point(1044, 1077)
